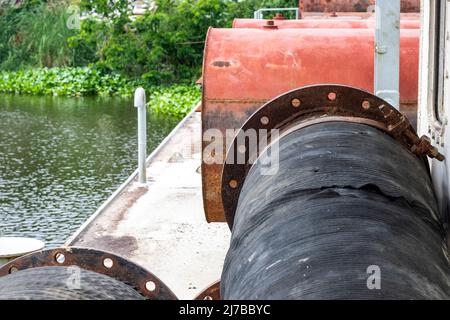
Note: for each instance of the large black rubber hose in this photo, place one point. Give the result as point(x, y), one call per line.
point(350, 214)
point(58, 283)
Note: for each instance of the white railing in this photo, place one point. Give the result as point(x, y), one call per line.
point(259, 14)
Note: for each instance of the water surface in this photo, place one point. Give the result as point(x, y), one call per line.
point(60, 158)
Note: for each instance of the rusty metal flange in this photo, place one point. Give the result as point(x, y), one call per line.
point(210, 293)
point(310, 105)
point(111, 265)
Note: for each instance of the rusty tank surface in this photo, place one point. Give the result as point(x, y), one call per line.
point(351, 5)
point(352, 23)
point(245, 68)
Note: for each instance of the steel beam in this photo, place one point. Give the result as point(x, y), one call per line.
point(387, 51)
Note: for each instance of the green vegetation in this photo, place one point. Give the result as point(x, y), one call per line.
point(176, 100)
point(112, 51)
point(67, 81)
point(35, 34)
point(164, 45)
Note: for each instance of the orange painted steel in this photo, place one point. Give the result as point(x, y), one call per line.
point(244, 68)
point(352, 15)
point(351, 5)
point(321, 23)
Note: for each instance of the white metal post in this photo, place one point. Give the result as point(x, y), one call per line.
point(387, 51)
point(140, 104)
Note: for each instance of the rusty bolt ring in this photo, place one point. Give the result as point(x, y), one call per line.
point(121, 269)
point(210, 293)
point(317, 103)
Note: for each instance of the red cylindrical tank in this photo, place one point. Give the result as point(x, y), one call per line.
point(254, 64)
point(244, 68)
point(320, 24)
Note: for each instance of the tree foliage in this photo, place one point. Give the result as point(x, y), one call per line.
point(163, 46)
point(34, 34)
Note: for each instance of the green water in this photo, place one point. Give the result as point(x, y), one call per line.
point(60, 158)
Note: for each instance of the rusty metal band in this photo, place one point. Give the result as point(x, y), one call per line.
point(307, 106)
point(101, 262)
point(210, 293)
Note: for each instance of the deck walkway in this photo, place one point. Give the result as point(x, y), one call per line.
point(161, 225)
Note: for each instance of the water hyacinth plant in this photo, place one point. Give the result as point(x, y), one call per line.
point(175, 100)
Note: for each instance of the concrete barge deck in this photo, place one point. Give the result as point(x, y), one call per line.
point(161, 225)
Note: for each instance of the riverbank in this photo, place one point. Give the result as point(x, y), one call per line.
point(175, 100)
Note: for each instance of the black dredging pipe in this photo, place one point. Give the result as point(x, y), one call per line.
point(350, 214)
point(72, 273)
point(59, 283)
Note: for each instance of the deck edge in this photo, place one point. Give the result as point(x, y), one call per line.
point(74, 237)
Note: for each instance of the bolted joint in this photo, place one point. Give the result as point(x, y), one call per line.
point(424, 146)
point(380, 49)
point(270, 24)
